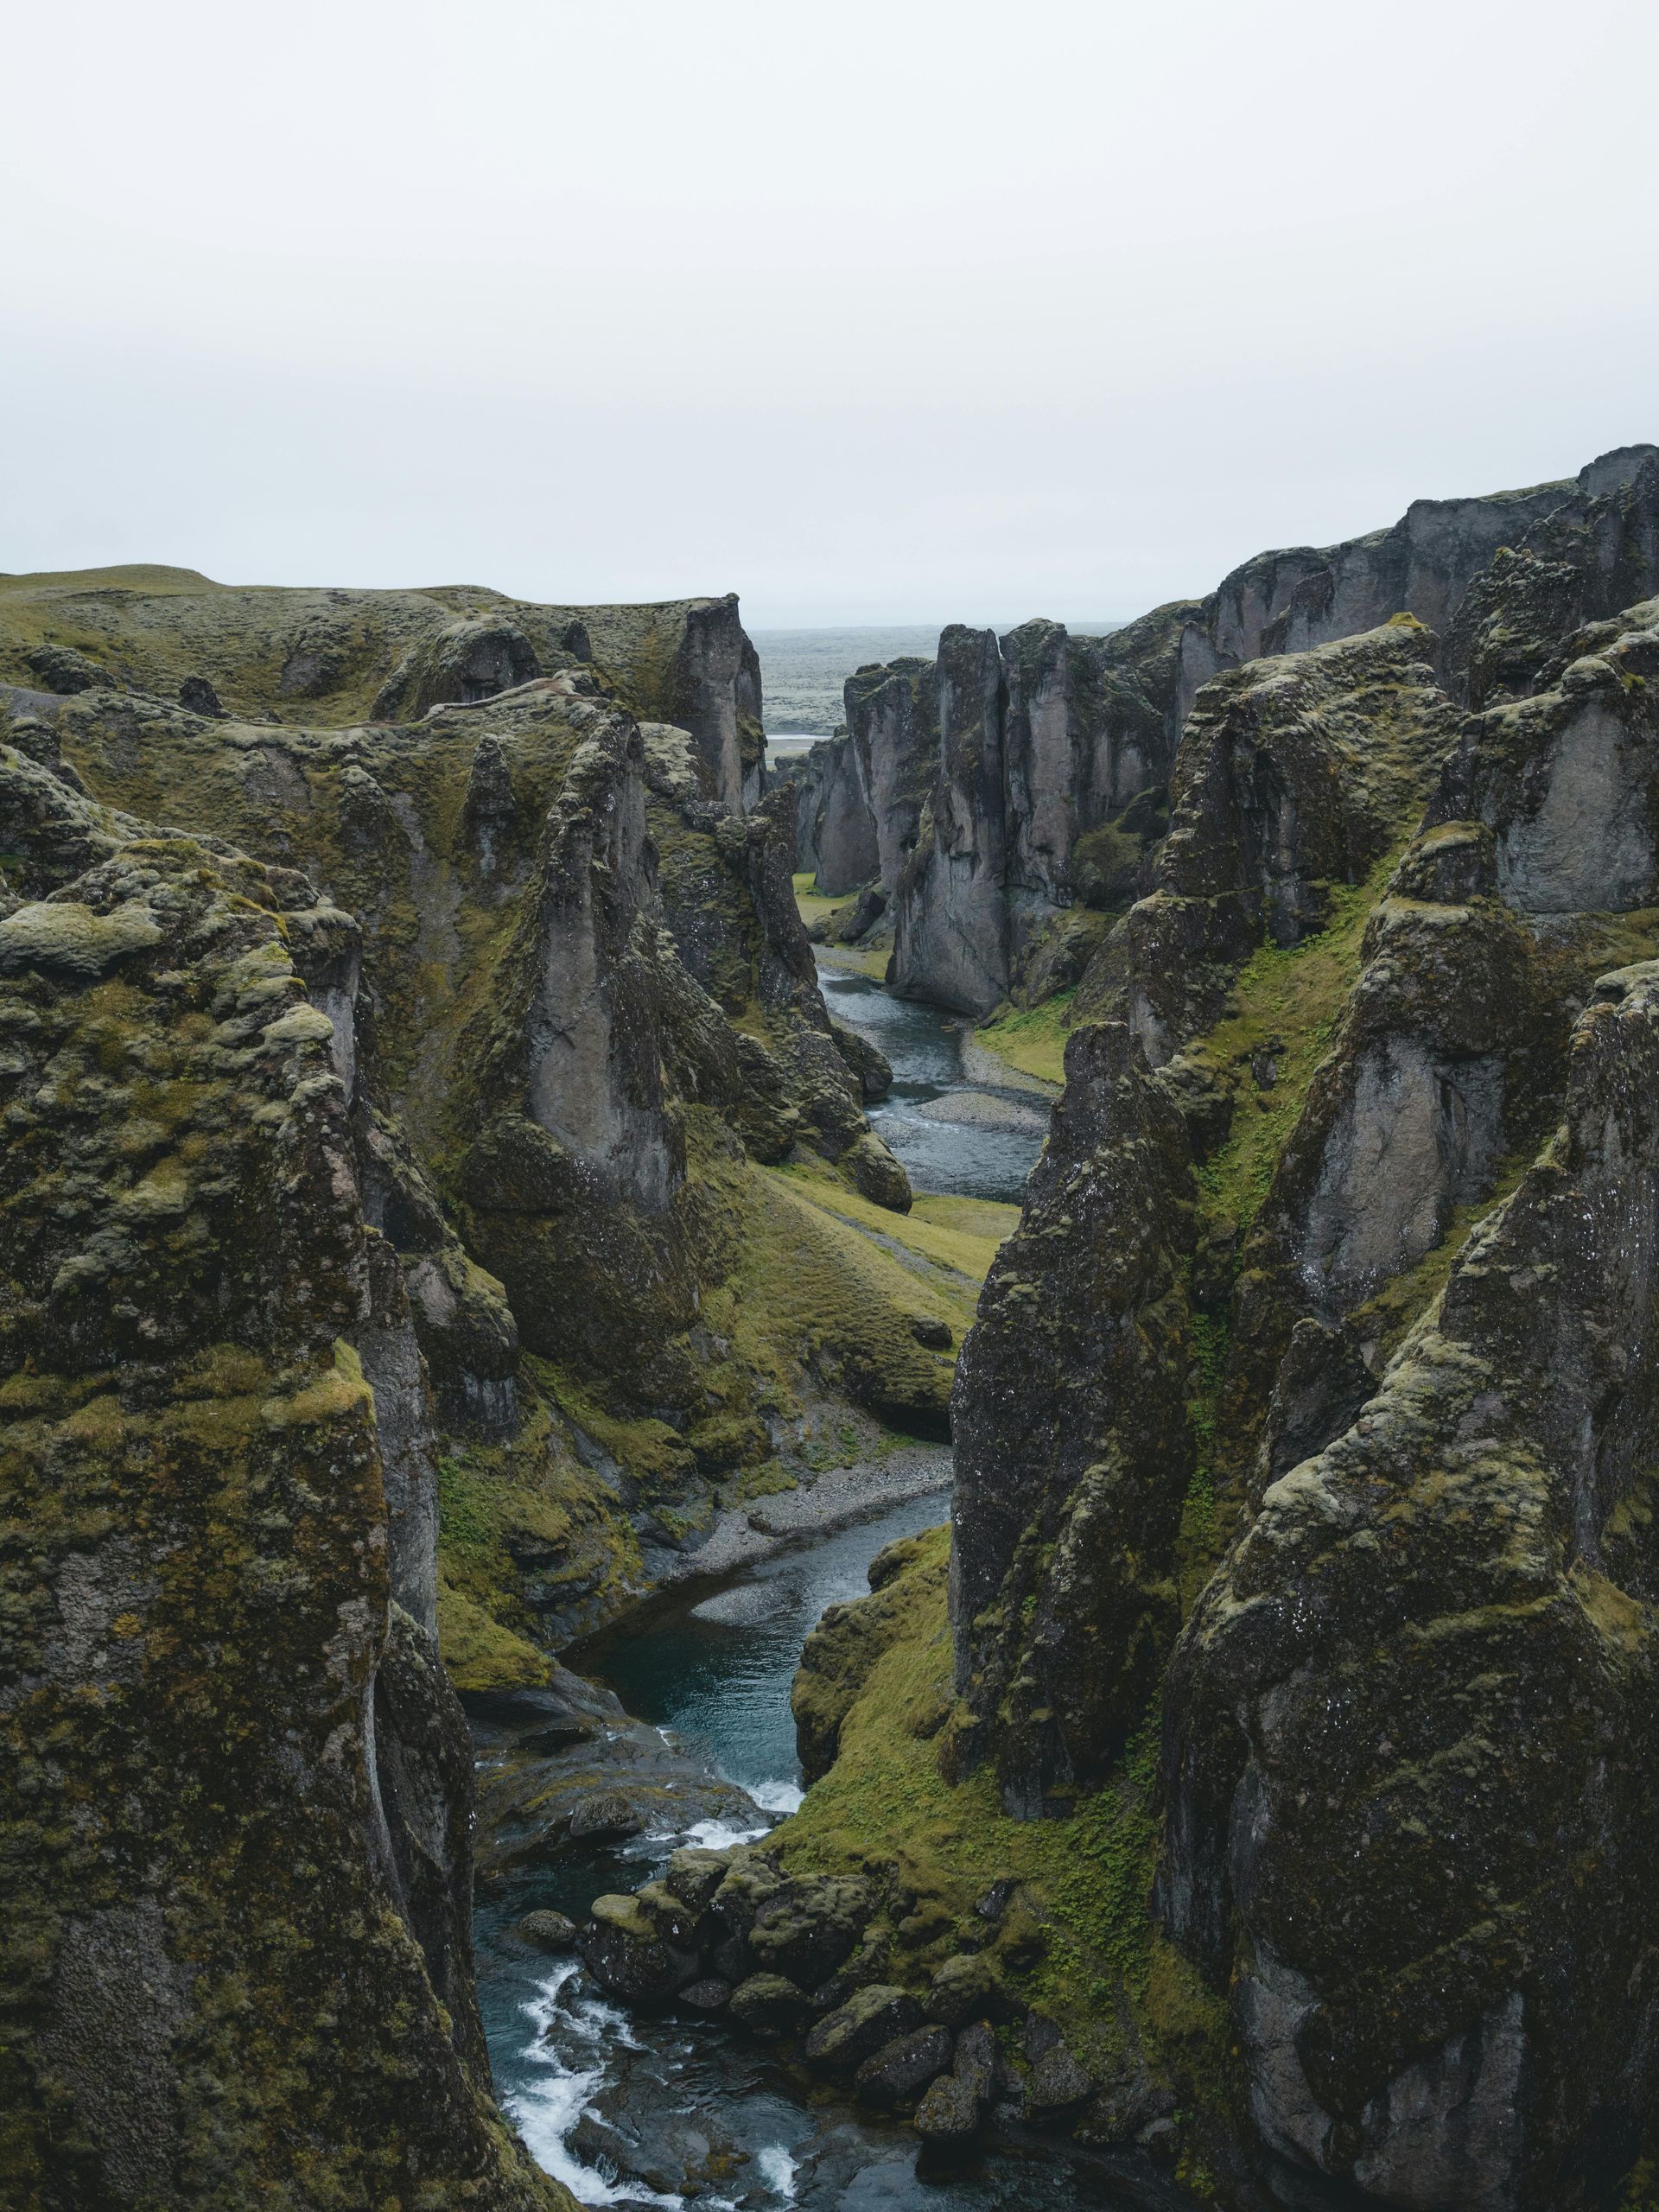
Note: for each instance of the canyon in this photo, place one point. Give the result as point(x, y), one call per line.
point(441, 1213)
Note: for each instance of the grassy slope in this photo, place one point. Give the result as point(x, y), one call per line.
point(860, 960)
point(1077, 1941)
point(1031, 1039)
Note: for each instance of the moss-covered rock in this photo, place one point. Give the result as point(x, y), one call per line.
point(242, 1784)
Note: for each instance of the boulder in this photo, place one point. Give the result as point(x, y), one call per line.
point(198, 697)
point(870, 2018)
point(808, 1927)
point(768, 2003)
point(1056, 2081)
point(876, 1174)
point(898, 2073)
point(549, 1930)
point(950, 2111)
point(622, 1949)
point(604, 1816)
point(707, 1994)
point(966, 1987)
point(694, 1874)
point(976, 2058)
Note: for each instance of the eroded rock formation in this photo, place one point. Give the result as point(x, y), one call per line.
point(385, 1198)
point(1302, 1572)
point(1010, 837)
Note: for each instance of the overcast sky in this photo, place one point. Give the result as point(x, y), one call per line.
point(881, 310)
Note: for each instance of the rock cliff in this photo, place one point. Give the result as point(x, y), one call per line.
point(420, 1229)
point(1301, 1580)
point(237, 1845)
point(1007, 852)
point(1336, 1273)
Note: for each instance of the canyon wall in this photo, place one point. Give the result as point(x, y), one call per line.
point(1006, 855)
point(1267, 1770)
point(419, 1219)
point(1338, 1282)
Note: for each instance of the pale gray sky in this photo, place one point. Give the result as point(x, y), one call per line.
point(886, 310)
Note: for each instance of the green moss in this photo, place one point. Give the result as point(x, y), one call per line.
point(1286, 1003)
point(1032, 1040)
point(479, 1653)
point(1078, 1942)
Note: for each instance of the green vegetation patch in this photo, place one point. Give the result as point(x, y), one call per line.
point(1077, 1940)
point(1285, 1006)
point(1034, 1039)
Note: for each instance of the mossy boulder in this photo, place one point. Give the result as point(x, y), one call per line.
point(870, 2019)
point(622, 1948)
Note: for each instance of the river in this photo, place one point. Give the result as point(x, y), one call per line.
point(631, 2112)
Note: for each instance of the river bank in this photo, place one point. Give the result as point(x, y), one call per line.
point(675, 1727)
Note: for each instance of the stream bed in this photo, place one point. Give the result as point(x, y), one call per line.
point(960, 1124)
point(670, 2112)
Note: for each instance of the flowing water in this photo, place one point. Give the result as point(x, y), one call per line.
point(673, 2112)
point(955, 1131)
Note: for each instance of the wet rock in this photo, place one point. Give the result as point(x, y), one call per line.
point(870, 2018)
point(675, 1921)
point(603, 1817)
point(950, 2111)
point(549, 1930)
point(709, 1995)
point(897, 2073)
point(694, 1874)
point(622, 1948)
point(768, 2003)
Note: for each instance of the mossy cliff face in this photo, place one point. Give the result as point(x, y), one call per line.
point(1001, 872)
point(1392, 1366)
point(1072, 1440)
point(332, 657)
point(1302, 1428)
point(1441, 1950)
point(238, 1858)
point(577, 1018)
point(860, 794)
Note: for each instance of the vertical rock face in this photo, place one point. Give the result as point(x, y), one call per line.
point(893, 729)
point(1354, 1363)
point(1072, 1451)
point(1446, 1617)
point(1088, 726)
point(838, 834)
point(237, 1873)
point(952, 914)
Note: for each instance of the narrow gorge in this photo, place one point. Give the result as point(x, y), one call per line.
point(928, 1476)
